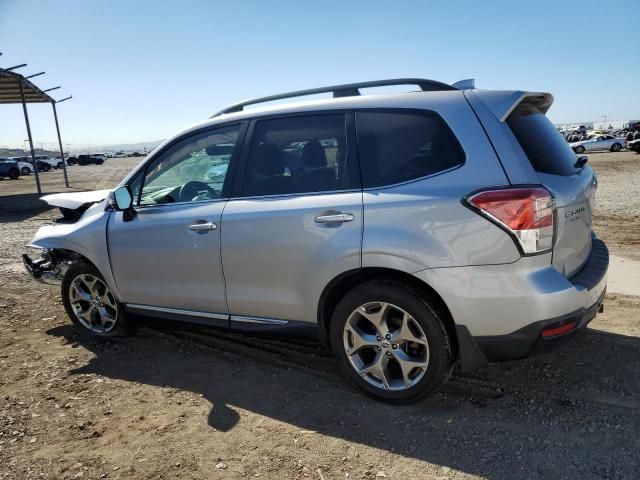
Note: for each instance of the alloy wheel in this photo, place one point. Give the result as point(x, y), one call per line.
point(386, 346)
point(93, 304)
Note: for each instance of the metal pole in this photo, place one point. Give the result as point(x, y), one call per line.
point(64, 162)
point(26, 121)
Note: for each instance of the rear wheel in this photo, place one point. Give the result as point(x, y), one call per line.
point(59, 165)
point(616, 147)
point(579, 149)
point(25, 171)
point(46, 167)
point(90, 304)
point(389, 341)
point(14, 173)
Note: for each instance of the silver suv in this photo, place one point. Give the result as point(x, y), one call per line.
point(413, 231)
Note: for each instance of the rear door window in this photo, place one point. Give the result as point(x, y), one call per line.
point(398, 146)
point(547, 151)
point(302, 154)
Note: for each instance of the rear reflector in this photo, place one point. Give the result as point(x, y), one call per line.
point(526, 213)
point(555, 331)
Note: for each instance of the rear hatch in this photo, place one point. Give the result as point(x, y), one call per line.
point(572, 186)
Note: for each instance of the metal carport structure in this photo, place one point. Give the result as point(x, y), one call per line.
point(16, 88)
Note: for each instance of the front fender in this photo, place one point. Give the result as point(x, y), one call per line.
point(87, 237)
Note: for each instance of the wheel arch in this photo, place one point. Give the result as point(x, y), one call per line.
point(340, 285)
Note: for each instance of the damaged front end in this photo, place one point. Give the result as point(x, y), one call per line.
point(51, 266)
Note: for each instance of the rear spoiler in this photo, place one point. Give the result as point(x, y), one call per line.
point(502, 102)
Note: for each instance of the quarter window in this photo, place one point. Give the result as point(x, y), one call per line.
point(297, 155)
point(192, 170)
point(397, 147)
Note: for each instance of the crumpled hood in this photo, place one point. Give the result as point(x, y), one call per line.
point(73, 200)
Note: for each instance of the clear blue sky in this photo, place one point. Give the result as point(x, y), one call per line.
point(141, 70)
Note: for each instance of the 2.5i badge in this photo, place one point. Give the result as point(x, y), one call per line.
point(573, 215)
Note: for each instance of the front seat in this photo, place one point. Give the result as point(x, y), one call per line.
point(318, 177)
point(267, 171)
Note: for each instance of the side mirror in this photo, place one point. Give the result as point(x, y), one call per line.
point(122, 199)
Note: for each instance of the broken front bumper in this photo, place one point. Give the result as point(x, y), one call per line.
point(49, 268)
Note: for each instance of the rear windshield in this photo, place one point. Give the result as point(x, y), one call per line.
point(548, 152)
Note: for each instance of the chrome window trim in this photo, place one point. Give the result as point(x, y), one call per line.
point(297, 194)
point(212, 200)
point(179, 311)
point(258, 320)
point(414, 180)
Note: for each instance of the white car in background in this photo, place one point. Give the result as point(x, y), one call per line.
point(25, 168)
point(601, 142)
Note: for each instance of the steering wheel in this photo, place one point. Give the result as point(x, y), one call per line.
point(192, 189)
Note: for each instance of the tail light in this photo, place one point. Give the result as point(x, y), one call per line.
point(524, 212)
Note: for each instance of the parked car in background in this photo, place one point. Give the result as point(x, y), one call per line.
point(91, 159)
point(136, 154)
point(25, 167)
point(409, 239)
point(634, 145)
point(601, 142)
point(47, 160)
point(9, 169)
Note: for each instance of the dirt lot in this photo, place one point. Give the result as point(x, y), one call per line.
point(184, 403)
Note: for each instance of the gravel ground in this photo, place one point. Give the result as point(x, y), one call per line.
point(182, 403)
point(617, 216)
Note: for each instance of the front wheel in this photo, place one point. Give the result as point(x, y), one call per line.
point(579, 149)
point(46, 167)
point(389, 341)
point(14, 173)
point(616, 147)
point(25, 171)
point(90, 304)
point(59, 165)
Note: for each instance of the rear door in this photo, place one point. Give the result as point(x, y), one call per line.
point(573, 187)
point(296, 220)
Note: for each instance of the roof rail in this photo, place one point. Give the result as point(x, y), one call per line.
point(345, 90)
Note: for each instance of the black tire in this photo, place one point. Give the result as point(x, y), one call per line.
point(59, 165)
point(25, 171)
point(616, 147)
point(415, 302)
point(14, 173)
point(46, 167)
point(579, 149)
point(99, 162)
point(122, 325)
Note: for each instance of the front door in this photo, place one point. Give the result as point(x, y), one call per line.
point(296, 222)
point(166, 257)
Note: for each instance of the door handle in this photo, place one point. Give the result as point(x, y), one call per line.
point(202, 227)
point(335, 218)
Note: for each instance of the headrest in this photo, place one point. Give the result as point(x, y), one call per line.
point(313, 155)
point(268, 160)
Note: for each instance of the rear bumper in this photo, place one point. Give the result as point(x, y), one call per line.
point(501, 311)
point(534, 337)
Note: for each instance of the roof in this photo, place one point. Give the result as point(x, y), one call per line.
point(10, 89)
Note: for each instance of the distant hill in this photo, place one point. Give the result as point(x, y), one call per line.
point(117, 147)
point(18, 152)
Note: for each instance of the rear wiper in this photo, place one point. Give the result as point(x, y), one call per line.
point(581, 161)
